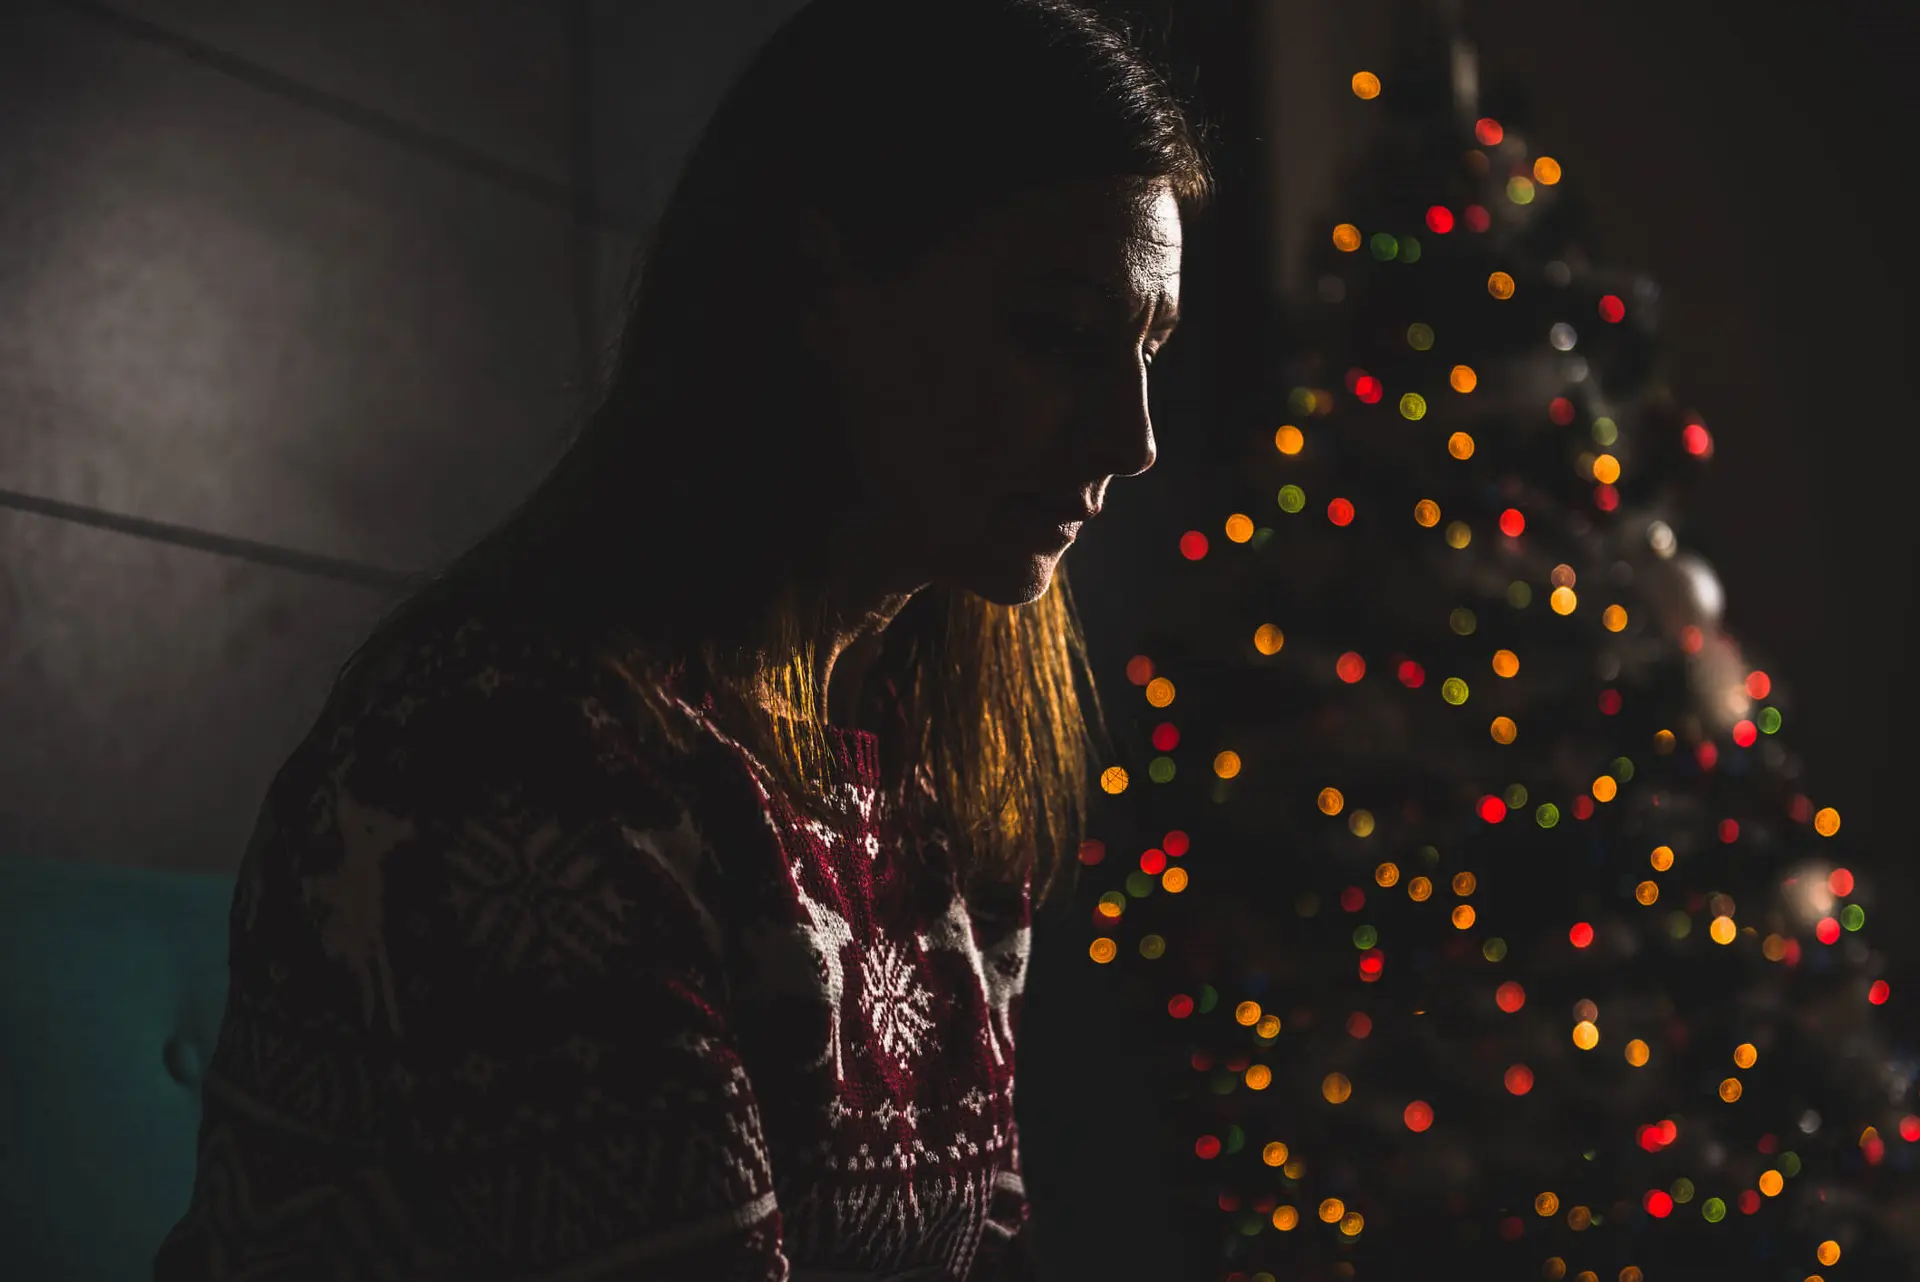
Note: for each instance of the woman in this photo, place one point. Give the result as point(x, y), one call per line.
point(651, 899)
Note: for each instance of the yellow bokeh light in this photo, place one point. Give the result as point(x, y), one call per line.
point(1563, 600)
point(1465, 883)
point(1746, 1055)
point(1351, 1223)
point(1503, 730)
point(1458, 535)
point(1563, 576)
point(1346, 238)
point(1294, 1170)
point(1285, 1218)
point(1227, 765)
point(1247, 1013)
point(1500, 285)
point(1505, 663)
point(1463, 379)
point(1546, 170)
point(1554, 1269)
point(1239, 527)
point(1174, 879)
point(1773, 948)
point(1605, 789)
point(1722, 931)
point(1113, 780)
point(1387, 874)
point(1274, 1154)
point(1360, 823)
point(1289, 440)
point(1771, 1183)
point(1419, 890)
point(1828, 1253)
point(1366, 85)
point(1462, 916)
point(1579, 1219)
point(1614, 617)
point(1730, 1089)
point(1331, 801)
point(1460, 445)
point(1332, 1209)
point(1661, 858)
point(1426, 513)
point(1268, 1027)
point(1637, 1053)
point(1663, 741)
point(1826, 821)
point(1586, 1035)
point(1159, 692)
point(1103, 950)
point(1259, 1077)
point(1606, 469)
point(1547, 1204)
point(1268, 639)
point(1647, 892)
point(1336, 1088)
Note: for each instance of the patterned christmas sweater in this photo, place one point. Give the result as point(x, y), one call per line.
point(518, 993)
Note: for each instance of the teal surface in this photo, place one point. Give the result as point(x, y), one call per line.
point(112, 981)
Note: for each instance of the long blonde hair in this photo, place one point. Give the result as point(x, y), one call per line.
point(715, 435)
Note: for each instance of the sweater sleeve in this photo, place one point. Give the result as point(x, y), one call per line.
point(478, 1025)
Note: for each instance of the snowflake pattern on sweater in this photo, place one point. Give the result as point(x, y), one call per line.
point(517, 994)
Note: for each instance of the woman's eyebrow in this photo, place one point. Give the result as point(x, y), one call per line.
point(1109, 291)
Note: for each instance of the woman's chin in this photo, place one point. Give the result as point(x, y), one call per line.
point(1014, 581)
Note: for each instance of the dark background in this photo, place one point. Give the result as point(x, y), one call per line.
point(297, 294)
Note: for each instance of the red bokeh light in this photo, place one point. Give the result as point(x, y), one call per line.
point(1697, 440)
point(1612, 310)
point(1800, 809)
point(1492, 809)
point(1139, 669)
point(1513, 522)
point(1510, 997)
point(1745, 732)
point(1229, 1201)
point(1193, 545)
point(1340, 512)
point(1749, 1201)
point(1519, 1079)
point(1511, 1228)
point(1729, 831)
point(1478, 218)
point(1583, 806)
point(1153, 861)
point(1180, 1006)
point(1581, 935)
point(1359, 1024)
point(1874, 1148)
point(1840, 882)
point(1351, 667)
point(1691, 639)
point(1166, 736)
point(1879, 993)
point(1606, 498)
point(1369, 389)
point(1207, 1147)
point(1659, 1203)
point(1439, 219)
point(1827, 931)
point(1418, 1115)
point(1706, 754)
point(1769, 1143)
point(1609, 703)
point(1412, 675)
point(1759, 685)
point(1353, 899)
point(1201, 1061)
point(1372, 962)
point(1560, 410)
point(1487, 131)
point(1910, 1128)
point(1092, 851)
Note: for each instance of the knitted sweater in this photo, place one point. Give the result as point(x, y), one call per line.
point(518, 993)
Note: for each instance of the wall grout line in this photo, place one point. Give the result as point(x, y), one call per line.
point(555, 195)
point(312, 563)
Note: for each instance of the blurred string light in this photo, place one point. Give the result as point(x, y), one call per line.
point(1606, 508)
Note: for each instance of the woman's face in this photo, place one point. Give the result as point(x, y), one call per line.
point(993, 390)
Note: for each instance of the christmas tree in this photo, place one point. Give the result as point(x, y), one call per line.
point(1462, 861)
